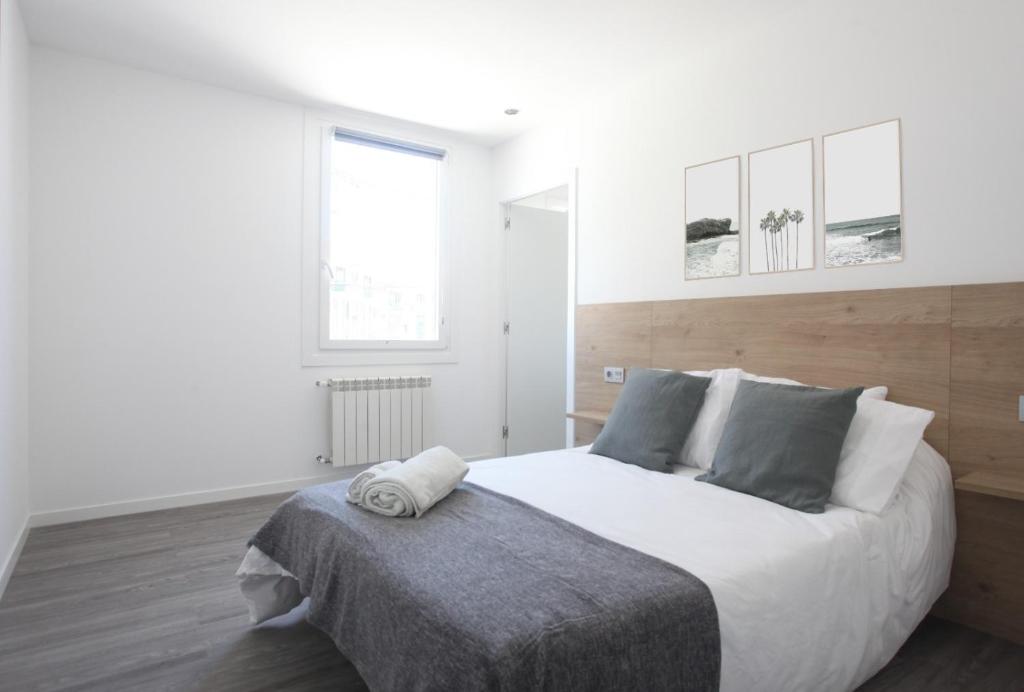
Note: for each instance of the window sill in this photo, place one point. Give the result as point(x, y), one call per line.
point(347, 357)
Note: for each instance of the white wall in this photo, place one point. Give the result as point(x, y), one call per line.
point(14, 207)
point(950, 70)
point(165, 302)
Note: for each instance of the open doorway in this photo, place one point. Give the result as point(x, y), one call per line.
point(538, 321)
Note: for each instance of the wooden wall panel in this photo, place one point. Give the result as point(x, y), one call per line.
point(585, 433)
point(616, 334)
point(611, 334)
point(897, 337)
point(987, 375)
point(987, 370)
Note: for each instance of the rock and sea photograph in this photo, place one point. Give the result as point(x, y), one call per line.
point(863, 206)
point(713, 219)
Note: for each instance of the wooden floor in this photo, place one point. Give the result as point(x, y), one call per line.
point(150, 602)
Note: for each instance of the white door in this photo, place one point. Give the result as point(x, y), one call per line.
point(538, 269)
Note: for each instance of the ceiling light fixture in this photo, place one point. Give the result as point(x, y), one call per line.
point(511, 111)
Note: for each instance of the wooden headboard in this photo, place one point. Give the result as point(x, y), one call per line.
point(955, 350)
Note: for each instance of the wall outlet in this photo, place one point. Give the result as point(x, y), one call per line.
point(618, 376)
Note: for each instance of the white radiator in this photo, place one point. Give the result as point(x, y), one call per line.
point(377, 418)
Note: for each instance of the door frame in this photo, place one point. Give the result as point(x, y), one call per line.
point(572, 182)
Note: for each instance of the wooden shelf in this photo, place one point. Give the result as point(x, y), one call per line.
point(1008, 485)
point(595, 417)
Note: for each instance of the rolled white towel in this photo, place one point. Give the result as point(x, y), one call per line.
point(355, 488)
point(410, 489)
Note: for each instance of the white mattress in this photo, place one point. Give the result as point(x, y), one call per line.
point(805, 601)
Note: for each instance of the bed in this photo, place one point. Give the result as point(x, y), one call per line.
point(804, 601)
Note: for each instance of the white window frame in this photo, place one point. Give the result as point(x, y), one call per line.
point(318, 347)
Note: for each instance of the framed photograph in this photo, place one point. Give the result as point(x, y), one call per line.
point(863, 195)
point(780, 199)
point(712, 216)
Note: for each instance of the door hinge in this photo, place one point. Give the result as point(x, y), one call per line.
point(508, 223)
point(505, 328)
point(504, 432)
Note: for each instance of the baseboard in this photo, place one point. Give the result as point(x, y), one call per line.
point(12, 559)
point(149, 504)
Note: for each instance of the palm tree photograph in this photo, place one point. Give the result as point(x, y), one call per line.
point(785, 248)
point(780, 199)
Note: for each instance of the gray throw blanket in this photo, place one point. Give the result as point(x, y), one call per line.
point(485, 592)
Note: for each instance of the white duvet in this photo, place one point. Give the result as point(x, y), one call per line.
point(805, 601)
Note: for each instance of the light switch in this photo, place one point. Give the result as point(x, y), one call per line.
point(1020, 408)
point(618, 375)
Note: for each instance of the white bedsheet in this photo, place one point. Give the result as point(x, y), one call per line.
point(805, 602)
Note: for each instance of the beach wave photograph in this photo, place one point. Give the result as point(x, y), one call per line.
point(863, 205)
point(864, 241)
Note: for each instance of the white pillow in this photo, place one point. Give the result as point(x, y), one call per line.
point(699, 450)
point(876, 393)
point(878, 447)
point(870, 392)
point(706, 433)
point(772, 380)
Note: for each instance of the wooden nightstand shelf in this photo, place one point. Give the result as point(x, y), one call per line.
point(1008, 485)
point(593, 417)
point(986, 588)
point(588, 424)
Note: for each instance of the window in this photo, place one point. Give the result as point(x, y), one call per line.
point(381, 244)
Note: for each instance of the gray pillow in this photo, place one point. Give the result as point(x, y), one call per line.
point(653, 415)
point(782, 443)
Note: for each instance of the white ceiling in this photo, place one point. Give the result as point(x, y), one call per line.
point(454, 64)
